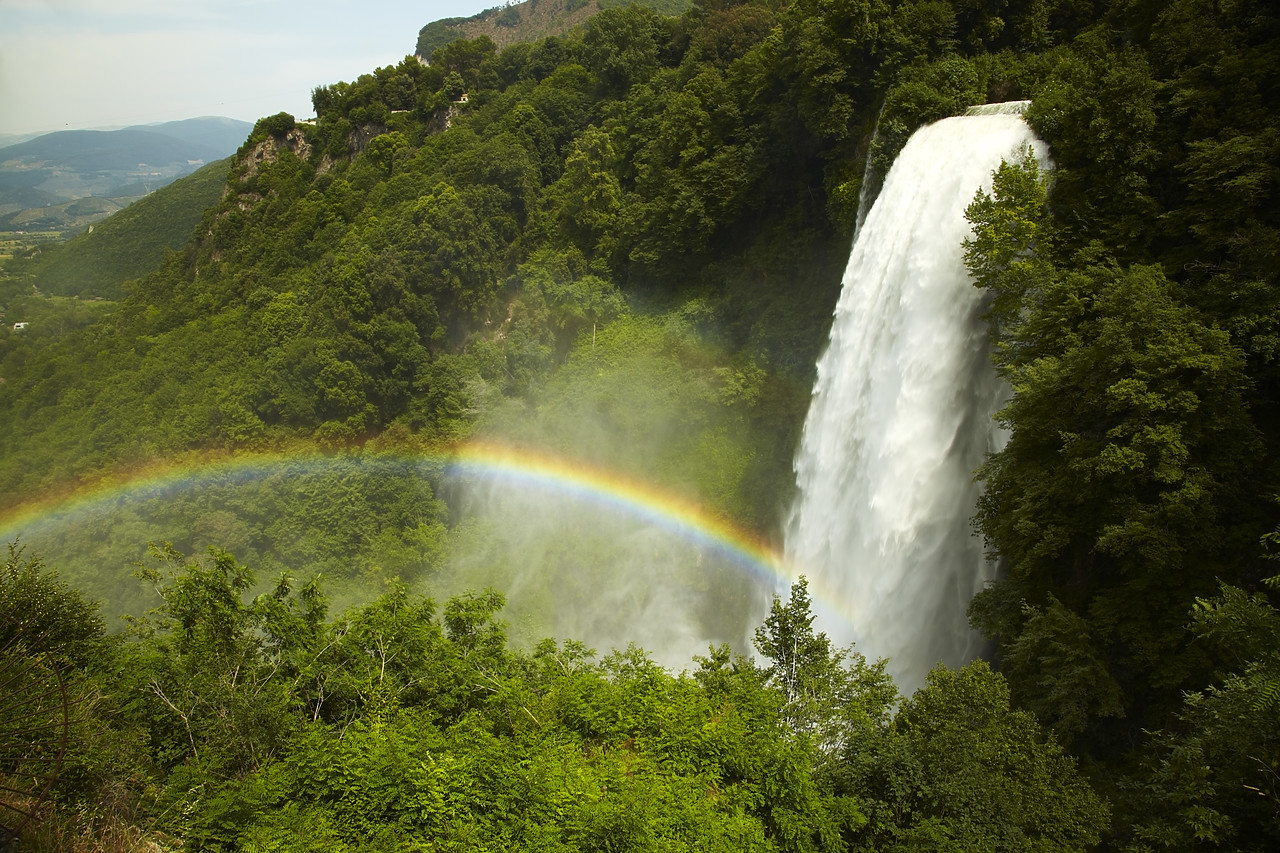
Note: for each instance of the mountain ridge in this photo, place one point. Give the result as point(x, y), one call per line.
point(42, 177)
point(517, 23)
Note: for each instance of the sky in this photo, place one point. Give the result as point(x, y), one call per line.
point(85, 64)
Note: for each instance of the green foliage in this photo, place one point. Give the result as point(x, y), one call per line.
point(342, 283)
point(729, 31)
point(264, 723)
point(1130, 443)
point(644, 395)
point(576, 299)
point(692, 163)
point(407, 89)
point(622, 46)
point(1058, 664)
point(436, 34)
point(46, 613)
point(1101, 93)
point(382, 149)
point(207, 683)
point(1128, 497)
point(923, 93)
point(830, 696)
point(962, 770)
point(274, 725)
point(464, 57)
point(626, 244)
point(587, 198)
point(1213, 780)
point(670, 8)
point(354, 518)
point(276, 125)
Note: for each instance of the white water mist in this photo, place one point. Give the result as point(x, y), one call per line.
point(589, 570)
point(902, 412)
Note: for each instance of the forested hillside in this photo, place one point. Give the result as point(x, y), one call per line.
point(127, 245)
point(623, 245)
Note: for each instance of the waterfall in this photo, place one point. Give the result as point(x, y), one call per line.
point(902, 410)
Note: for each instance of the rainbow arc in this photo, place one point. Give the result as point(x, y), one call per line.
point(514, 466)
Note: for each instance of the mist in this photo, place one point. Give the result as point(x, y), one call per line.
point(643, 400)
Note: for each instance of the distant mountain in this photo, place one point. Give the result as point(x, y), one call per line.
point(96, 150)
point(528, 21)
point(222, 134)
point(40, 177)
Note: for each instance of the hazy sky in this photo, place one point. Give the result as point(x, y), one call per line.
point(77, 64)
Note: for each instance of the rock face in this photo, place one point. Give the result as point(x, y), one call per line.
point(240, 188)
point(442, 120)
point(529, 21)
point(268, 151)
point(362, 136)
point(519, 22)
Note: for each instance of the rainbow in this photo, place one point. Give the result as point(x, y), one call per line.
point(530, 468)
point(519, 466)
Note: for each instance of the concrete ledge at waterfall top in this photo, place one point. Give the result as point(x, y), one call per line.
point(1004, 108)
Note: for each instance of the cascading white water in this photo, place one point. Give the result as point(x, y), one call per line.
point(902, 412)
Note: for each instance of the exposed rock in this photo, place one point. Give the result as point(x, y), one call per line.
point(268, 151)
point(442, 120)
point(362, 135)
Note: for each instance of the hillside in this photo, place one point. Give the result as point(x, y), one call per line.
point(431, 344)
point(530, 21)
point(127, 244)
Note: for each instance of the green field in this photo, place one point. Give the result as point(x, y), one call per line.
point(20, 242)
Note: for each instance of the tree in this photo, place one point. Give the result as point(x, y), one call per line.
point(377, 658)
point(276, 125)
point(1211, 779)
point(962, 770)
point(47, 614)
point(622, 46)
point(576, 300)
point(382, 149)
point(458, 246)
point(831, 696)
point(1098, 111)
point(586, 199)
point(1131, 451)
point(56, 718)
point(208, 664)
point(1058, 672)
point(454, 86)
point(693, 162)
point(466, 57)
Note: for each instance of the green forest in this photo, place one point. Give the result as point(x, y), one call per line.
point(623, 246)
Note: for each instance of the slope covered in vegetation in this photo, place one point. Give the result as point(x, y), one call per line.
point(126, 245)
point(272, 725)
